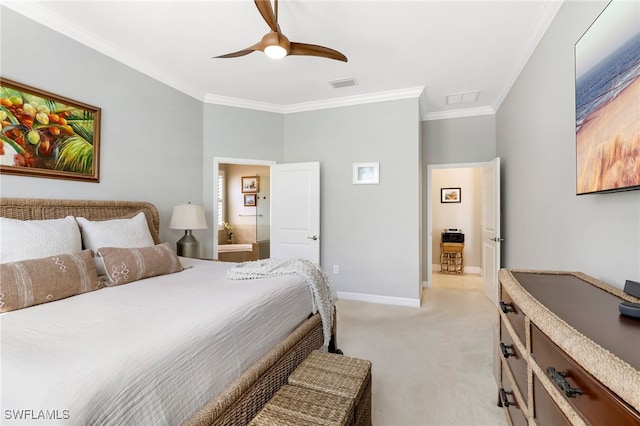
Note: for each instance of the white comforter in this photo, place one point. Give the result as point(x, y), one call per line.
point(150, 352)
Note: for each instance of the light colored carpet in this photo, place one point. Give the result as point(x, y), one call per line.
point(431, 365)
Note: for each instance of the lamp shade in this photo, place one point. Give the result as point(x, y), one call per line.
point(188, 216)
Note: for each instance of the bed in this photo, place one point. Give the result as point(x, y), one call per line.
point(148, 352)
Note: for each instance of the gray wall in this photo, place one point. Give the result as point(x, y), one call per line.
point(545, 225)
point(151, 134)
point(459, 140)
point(235, 133)
point(370, 231)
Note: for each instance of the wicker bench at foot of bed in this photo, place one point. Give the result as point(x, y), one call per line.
point(338, 375)
point(316, 393)
point(295, 406)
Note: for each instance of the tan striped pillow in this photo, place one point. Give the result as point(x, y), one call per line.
point(32, 282)
point(125, 265)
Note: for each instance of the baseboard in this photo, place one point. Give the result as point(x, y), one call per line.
point(384, 300)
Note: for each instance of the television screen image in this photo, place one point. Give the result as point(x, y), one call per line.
point(607, 59)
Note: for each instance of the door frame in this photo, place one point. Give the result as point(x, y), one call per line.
point(429, 235)
point(216, 169)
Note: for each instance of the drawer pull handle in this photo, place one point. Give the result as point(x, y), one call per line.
point(504, 396)
point(559, 378)
point(506, 307)
point(505, 350)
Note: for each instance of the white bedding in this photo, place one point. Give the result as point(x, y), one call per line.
point(150, 352)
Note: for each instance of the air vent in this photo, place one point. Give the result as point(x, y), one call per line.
point(462, 98)
point(344, 82)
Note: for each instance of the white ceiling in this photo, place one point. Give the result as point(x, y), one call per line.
point(395, 48)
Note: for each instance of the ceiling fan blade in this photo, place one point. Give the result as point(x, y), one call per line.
point(315, 50)
point(243, 52)
point(265, 9)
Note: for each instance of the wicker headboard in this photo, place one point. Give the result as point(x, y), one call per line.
point(43, 208)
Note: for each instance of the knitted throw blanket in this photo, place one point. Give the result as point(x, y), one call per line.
point(318, 282)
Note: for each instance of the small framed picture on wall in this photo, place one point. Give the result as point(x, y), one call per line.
point(450, 195)
point(250, 200)
point(250, 184)
point(366, 173)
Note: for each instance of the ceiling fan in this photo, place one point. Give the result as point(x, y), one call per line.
point(275, 45)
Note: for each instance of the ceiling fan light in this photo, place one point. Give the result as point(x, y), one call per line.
point(275, 51)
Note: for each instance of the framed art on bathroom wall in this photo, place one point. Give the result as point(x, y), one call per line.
point(250, 184)
point(250, 200)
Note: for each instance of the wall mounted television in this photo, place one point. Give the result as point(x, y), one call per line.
point(607, 75)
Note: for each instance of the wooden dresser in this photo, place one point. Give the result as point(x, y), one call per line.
point(567, 357)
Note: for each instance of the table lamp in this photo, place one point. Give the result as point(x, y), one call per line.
point(188, 216)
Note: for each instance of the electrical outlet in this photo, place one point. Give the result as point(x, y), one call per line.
point(336, 269)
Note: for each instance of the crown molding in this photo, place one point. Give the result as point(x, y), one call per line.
point(545, 17)
point(243, 103)
point(391, 95)
point(458, 113)
point(422, 105)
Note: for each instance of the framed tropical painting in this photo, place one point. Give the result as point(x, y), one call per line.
point(46, 135)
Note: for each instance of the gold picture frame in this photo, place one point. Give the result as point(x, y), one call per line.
point(250, 200)
point(47, 135)
point(250, 184)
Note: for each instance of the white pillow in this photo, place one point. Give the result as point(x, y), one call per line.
point(34, 239)
point(122, 233)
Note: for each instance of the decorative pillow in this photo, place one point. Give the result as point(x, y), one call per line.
point(35, 281)
point(127, 233)
point(152, 230)
point(125, 265)
point(34, 239)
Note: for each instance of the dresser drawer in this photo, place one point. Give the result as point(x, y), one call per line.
point(512, 356)
point(546, 412)
point(515, 315)
point(594, 402)
point(508, 400)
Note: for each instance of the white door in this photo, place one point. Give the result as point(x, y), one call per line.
point(295, 211)
point(491, 229)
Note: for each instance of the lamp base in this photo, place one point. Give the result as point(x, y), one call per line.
point(187, 246)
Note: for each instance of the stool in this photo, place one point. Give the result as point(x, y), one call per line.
point(295, 406)
point(338, 375)
point(452, 258)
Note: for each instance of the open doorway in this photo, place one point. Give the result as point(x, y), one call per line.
point(241, 209)
point(477, 209)
point(464, 214)
point(454, 223)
